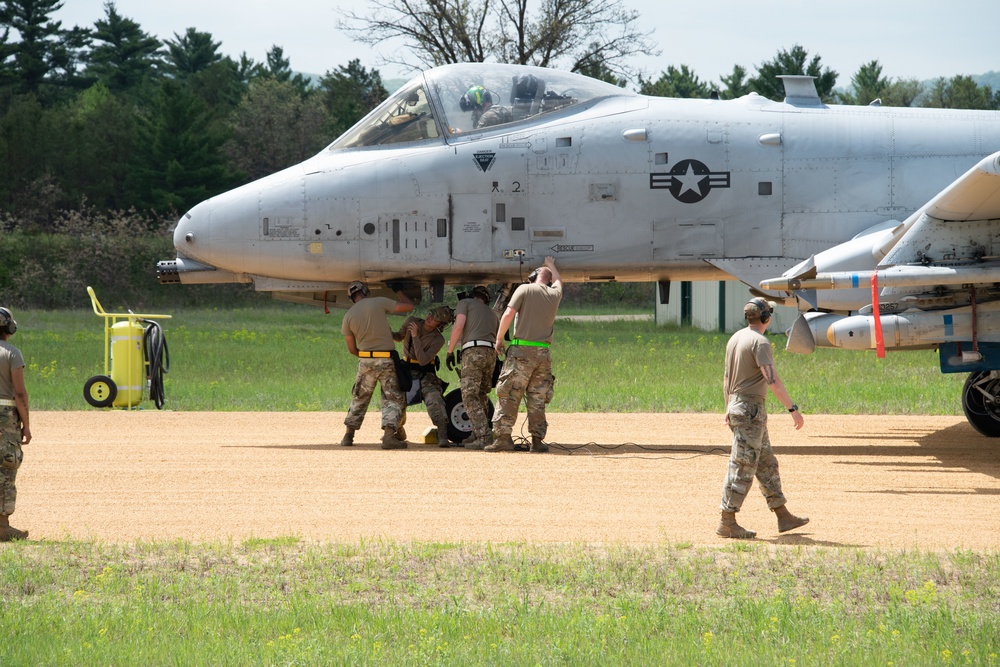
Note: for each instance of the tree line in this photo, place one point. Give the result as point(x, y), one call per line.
point(108, 133)
point(112, 118)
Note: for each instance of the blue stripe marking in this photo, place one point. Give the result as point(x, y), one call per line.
point(854, 280)
point(949, 327)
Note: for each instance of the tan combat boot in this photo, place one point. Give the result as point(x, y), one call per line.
point(729, 528)
point(787, 521)
point(348, 439)
point(442, 436)
point(389, 439)
point(8, 532)
point(503, 443)
point(479, 443)
point(538, 445)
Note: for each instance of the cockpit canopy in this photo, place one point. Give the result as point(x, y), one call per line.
point(472, 97)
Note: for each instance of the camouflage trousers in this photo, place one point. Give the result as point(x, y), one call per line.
point(527, 372)
point(751, 455)
point(10, 457)
point(370, 373)
point(432, 391)
point(476, 380)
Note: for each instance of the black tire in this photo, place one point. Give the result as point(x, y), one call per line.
point(459, 426)
point(981, 403)
point(100, 391)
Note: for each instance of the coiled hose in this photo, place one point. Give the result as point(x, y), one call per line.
point(154, 349)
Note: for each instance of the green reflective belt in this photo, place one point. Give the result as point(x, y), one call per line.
point(528, 343)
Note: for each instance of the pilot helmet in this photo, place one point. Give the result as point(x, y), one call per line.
point(475, 98)
point(443, 315)
point(355, 287)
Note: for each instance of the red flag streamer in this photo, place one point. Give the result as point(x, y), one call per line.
point(879, 342)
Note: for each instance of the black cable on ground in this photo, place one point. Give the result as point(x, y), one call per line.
point(154, 349)
point(522, 443)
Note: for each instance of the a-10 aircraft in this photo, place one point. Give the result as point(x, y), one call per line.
point(801, 201)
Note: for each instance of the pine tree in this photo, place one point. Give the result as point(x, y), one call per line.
point(178, 161)
point(46, 59)
point(123, 56)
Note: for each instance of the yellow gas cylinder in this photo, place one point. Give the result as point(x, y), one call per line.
point(127, 366)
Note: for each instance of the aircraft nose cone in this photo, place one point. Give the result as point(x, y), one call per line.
point(191, 234)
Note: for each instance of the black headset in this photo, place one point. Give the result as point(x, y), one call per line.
point(765, 310)
point(534, 274)
point(7, 323)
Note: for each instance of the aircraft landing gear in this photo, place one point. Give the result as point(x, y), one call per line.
point(981, 402)
point(459, 426)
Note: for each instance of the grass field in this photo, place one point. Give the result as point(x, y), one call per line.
point(292, 602)
point(294, 358)
point(284, 602)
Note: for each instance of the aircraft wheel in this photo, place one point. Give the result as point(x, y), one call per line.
point(459, 426)
point(100, 391)
point(981, 402)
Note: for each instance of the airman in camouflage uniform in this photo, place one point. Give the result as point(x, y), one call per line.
point(15, 430)
point(749, 372)
point(368, 336)
point(422, 340)
point(474, 334)
point(527, 369)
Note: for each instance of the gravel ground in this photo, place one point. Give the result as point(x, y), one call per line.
point(865, 481)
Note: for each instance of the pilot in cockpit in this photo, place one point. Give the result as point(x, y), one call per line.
point(479, 101)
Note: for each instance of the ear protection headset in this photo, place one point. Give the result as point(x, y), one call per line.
point(765, 310)
point(355, 287)
point(7, 323)
point(534, 274)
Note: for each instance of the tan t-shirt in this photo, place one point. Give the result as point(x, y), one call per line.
point(536, 307)
point(481, 321)
point(10, 360)
point(366, 321)
point(746, 352)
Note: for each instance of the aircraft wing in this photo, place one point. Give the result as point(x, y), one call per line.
point(958, 224)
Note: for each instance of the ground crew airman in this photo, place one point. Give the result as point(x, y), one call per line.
point(15, 430)
point(749, 372)
point(369, 337)
point(474, 335)
point(527, 369)
point(422, 339)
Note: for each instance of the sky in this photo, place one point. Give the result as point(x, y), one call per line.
point(922, 39)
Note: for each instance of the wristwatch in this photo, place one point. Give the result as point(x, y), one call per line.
point(793, 408)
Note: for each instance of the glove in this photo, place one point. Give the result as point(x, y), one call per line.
point(449, 361)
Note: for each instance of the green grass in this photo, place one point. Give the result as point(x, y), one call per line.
point(294, 358)
point(288, 602)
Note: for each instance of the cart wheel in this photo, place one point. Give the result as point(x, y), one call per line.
point(100, 391)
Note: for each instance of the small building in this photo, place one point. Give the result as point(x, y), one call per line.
point(713, 306)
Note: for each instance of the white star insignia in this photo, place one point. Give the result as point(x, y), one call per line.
point(690, 180)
